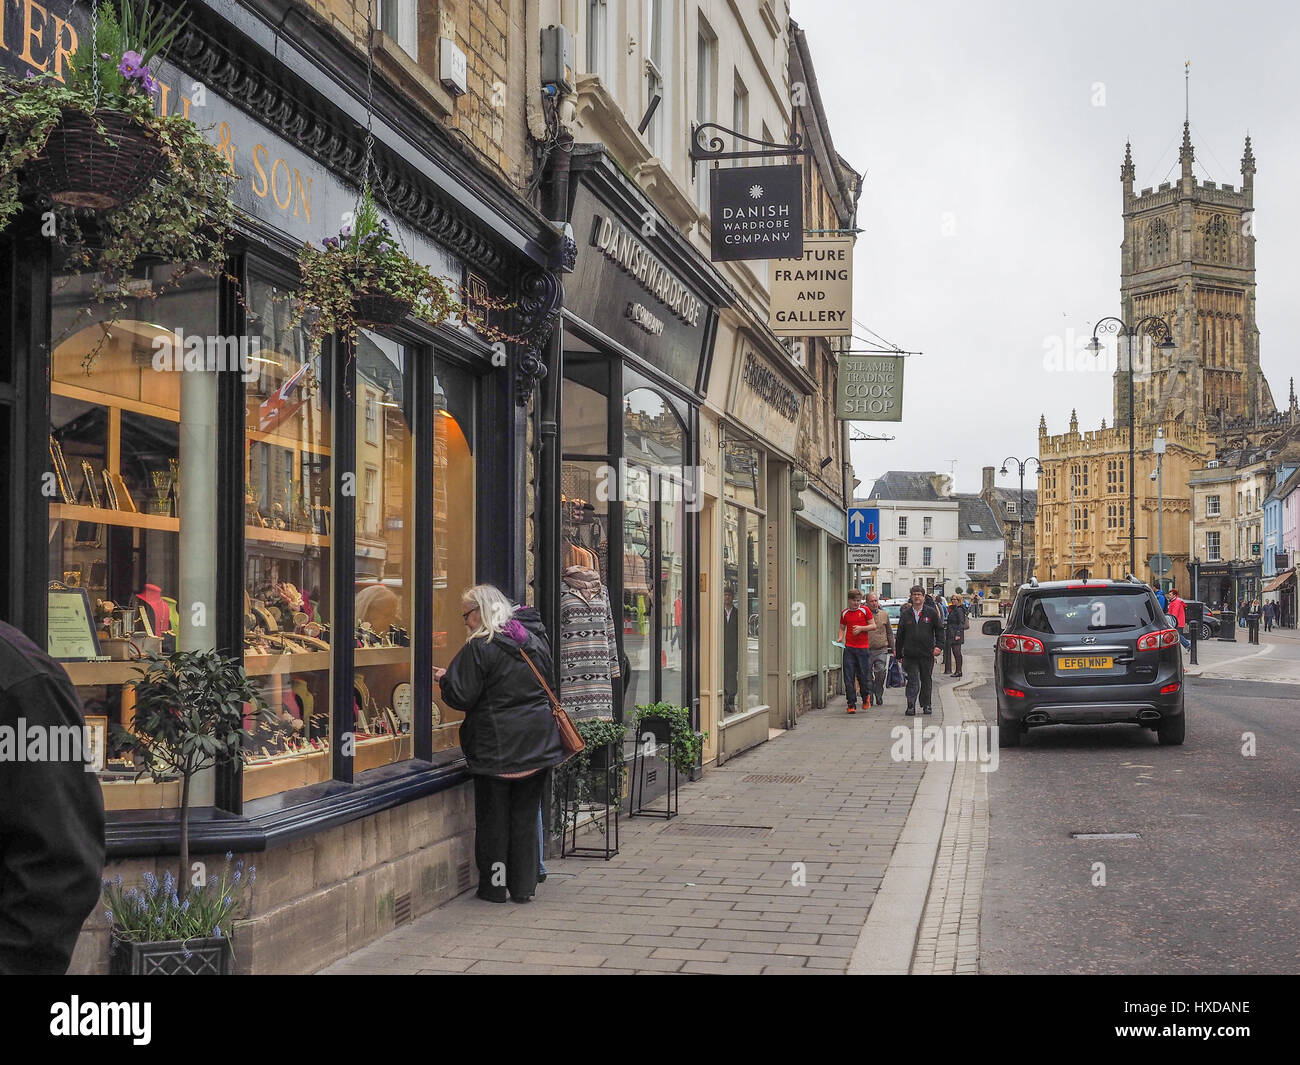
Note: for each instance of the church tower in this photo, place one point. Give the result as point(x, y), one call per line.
point(1189, 256)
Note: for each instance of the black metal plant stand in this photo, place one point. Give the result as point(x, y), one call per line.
point(569, 836)
point(640, 765)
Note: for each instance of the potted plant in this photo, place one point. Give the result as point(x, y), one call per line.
point(363, 277)
point(590, 766)
point(189, 716)
point(156, 932)
point(95, 143)
point(665, 722)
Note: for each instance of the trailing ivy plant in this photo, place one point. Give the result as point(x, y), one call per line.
point(597, 733)
point(365, 259)
point(688, 744)
point(184, 215)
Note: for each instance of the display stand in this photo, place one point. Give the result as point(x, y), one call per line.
point(569, 837)
point(640, 764)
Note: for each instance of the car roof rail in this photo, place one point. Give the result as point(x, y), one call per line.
point(1131, 579)
point(1033, 582)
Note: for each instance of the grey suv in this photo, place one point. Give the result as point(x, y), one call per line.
point(1087, 652)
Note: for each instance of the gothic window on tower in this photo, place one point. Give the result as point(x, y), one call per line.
point(1157, 241)
point(1216, 239)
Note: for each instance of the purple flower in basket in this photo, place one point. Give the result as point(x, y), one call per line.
point(149, 82)
point(132, 64)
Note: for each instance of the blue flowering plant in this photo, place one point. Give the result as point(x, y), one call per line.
point(85, 139)
point(155, 912)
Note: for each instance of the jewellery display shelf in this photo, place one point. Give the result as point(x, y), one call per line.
point(118, 534)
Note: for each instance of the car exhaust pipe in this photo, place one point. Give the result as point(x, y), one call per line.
point(1149, 715)
point(1037, 718)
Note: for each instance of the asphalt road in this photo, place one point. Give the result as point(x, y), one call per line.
point(1213, 883)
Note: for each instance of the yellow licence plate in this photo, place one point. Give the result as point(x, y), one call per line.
point(1091, 662)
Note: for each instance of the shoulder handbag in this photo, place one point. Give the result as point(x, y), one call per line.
point(569, 738)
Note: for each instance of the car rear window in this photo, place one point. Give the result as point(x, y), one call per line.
point(1064, 613)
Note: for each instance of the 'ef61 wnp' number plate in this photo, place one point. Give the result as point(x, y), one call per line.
point(1085, 663)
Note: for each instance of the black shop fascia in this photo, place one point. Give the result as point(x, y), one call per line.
point(627, 377)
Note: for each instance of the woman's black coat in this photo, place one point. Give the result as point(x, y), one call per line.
point(509, 726)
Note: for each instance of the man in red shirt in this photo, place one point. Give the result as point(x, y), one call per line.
point(856, 626)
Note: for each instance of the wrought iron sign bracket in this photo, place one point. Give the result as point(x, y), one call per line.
point(704, 149)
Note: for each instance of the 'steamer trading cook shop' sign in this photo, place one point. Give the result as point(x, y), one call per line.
point(756, 212)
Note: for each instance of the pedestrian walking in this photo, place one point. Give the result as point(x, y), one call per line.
point(856, 626)
point(919, 630)
point(1161, 598)
point(956, 632)
point(879, 648)
point(1270, 611)
point(1252, 620)
point(1177, 610)
point(508, 736)
point(51, 818)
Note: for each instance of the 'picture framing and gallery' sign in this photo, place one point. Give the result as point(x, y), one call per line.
point(813, 295)
point(870, 388)
point(756, 212)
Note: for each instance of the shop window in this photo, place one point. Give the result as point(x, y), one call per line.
point(454, 530)
point(638, 587)
point(742, 473)
point(754, 604)
point(585, 491)
point(288, 530)
point(118, 461)
point(803, 657)
point(672, 590)
point(742, 626)
point(385, 561)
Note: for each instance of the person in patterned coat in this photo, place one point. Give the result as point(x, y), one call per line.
point(589, 669)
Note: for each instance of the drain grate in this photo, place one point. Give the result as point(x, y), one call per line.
point(1105, 835)
point(681, 828)
point(771, 778)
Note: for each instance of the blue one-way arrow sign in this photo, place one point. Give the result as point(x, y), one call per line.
point(864, 525)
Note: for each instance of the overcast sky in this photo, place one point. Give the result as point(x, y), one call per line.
point(991, 135)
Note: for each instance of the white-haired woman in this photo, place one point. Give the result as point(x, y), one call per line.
point(508, 736)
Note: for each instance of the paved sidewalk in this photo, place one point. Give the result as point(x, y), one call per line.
point(772, 867)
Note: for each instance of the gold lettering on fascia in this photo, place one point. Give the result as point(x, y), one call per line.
point(46, 43)
point(765, 384)
point(633, 257)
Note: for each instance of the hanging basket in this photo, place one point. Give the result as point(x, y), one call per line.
point(80, 167)
point(380, 308)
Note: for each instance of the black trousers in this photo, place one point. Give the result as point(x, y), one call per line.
point(505, 835)
point(920, 673)
point(955, 649)
point(1252, 629)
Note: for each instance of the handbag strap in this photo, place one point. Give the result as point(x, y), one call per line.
point(555, 703)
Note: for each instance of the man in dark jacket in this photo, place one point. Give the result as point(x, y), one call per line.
point(508, 736)
point(917, 643)
point(51, 815)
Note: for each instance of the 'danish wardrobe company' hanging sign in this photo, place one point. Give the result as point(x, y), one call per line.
point(756, 212)
point(813, 295)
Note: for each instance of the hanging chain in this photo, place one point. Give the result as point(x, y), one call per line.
point(94, 50)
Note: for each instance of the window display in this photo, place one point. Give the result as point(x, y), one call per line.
point(117, 462)
point(742, 610)
point(454, 530)
point(385, 557)
point(287, 595)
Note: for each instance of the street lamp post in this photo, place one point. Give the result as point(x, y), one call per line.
point(1155, 326)
point(1158, 446)
point(1020, 514)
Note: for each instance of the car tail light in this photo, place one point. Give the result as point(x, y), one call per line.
point(1156, 641)
point(1020, 645)
point(1015, 693)
point(1169, 689)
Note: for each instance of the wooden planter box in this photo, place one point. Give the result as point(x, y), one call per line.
point(207, 957)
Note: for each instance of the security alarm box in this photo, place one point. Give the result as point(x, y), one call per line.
point(557, 58)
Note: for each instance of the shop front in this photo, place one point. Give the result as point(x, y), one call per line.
point(622, 510)
point(752, 606)
point(218, 480)
point(821, 584)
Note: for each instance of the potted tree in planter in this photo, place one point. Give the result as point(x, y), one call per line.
point(189, 716)
point(139, 183)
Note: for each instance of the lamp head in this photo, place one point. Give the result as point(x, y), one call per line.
point(1168, 343)
point(1003, 471)
point(1094, 345)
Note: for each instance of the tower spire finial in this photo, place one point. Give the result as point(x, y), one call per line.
point(1187, 92)
point(1127, 172)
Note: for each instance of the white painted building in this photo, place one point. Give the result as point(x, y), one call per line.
point(919, 541)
